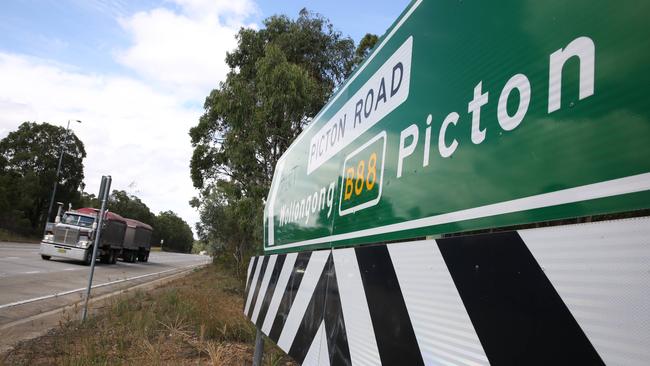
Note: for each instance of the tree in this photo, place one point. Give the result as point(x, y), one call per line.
point(175, 232)
point(88, 200)
point(366, 45)
point(130, 206)
point(29, 158)
point(228, 224)
point(280, 76)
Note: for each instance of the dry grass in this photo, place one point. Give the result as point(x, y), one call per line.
point(196, 320)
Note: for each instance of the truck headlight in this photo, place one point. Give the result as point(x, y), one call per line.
point(48, 237)
point(83, 242)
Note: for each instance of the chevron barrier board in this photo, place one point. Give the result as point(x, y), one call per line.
point(572, 295)
point(467, 116)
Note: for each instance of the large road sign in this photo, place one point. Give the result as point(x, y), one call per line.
point(467, 116)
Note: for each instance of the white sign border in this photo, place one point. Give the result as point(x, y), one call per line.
point(610, 188)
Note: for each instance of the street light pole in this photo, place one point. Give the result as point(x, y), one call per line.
point(58, 170)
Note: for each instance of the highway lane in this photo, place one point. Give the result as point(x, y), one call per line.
point(24, 275)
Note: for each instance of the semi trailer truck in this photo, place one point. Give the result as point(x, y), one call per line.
point(72, 237)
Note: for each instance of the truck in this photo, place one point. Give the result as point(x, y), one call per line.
point(137, 241)
point(72, 236)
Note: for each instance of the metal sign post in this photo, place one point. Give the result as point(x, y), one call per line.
point(104, 190)
point(259, 348)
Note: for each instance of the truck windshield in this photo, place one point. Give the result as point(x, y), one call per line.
point(77, 220)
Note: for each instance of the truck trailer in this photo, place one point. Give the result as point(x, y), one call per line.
point(137, 241)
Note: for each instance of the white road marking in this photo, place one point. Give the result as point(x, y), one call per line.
point(30, 272)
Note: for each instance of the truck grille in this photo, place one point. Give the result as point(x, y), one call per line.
point(66, 236)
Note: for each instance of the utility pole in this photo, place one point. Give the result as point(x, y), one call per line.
point(104, 190)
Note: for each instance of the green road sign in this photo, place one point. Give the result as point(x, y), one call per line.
point(469, 116)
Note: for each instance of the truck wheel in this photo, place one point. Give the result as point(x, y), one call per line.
point(134, 256)
point(113, 256)
point(144, 257)
point(105, 258)
point(88, 258)
point(46, 257)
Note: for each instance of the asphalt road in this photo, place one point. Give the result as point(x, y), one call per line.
point(24, 276)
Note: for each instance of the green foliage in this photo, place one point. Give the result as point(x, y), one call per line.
point(130, 206)
point(280, 76)
point(230, 223)
point(366, 45)
point(28, 163)
point(175, 232)
point(199, 245)
point(88, 200)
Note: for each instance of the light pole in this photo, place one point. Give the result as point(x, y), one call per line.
point(58, 170)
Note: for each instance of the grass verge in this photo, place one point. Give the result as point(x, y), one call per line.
point(195, 320)
point(6, 235)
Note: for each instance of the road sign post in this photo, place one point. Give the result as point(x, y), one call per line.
point(259, 347)
point(104, 192)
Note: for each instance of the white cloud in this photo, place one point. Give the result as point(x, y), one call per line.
point(134, 129)
point(184, 51)
point(235, 10)
point(130, 130)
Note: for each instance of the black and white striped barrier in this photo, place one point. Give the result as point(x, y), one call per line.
point(570, 295)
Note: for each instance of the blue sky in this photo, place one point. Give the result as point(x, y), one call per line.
point(84, 33)
point(136, 73)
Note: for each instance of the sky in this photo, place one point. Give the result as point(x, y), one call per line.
point(136, 74)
